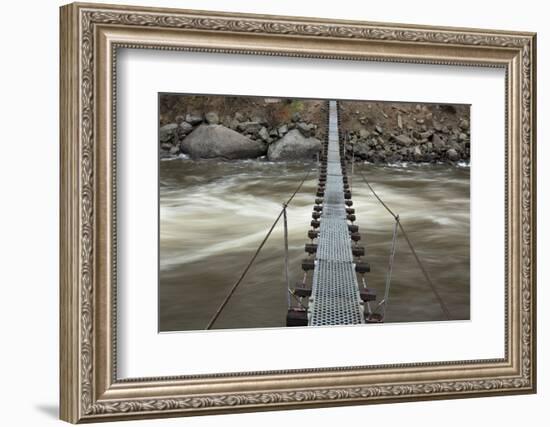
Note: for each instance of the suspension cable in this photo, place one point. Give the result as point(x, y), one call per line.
point(425, 272)
point(384, 302)
point(352, 164)
point(422, 268)
point(376, 195)
point(245, 271)
point(287, 274)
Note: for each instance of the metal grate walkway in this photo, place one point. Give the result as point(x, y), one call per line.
point(335, 292)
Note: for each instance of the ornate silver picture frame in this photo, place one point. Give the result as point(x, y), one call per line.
point(90, 36)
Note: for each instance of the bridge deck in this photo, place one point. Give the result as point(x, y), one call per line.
point(335, 292)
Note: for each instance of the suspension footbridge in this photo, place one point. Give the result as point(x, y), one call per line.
point(333, 290)
point(335, 296)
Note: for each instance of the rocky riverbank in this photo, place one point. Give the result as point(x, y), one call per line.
point(204, 127)
point(382, 132)
point(275, 128)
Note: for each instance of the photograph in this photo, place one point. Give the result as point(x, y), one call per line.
point(282, 212)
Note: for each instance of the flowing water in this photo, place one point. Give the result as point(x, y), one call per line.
point(214, 214)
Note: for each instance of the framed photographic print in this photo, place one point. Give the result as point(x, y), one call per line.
point(267, 212)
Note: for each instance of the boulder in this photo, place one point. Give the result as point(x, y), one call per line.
point(168, 133)
point(361, 150)
point(403, 140)
point(456, 146)
point(363, 133)
point(282, 130)
point(193, 119)
point(464, 124)
point(379, 130)
point(264, 134)
point(249, 127)
point(258, 119)
point(305, 129)
point(426, 135)
point(429, 157)
point(212, 118)
point(374, 156)
point(239, 117)
point(394, 158)
point(211, 141)
point(185, 128)
point(438, 141)
point(452, 154)
point(294, 146)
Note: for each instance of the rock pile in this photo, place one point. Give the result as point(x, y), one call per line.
point(377, 132)
point(409, 134)
point(239, 137)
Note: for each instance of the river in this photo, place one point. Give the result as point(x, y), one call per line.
point(214, 214)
